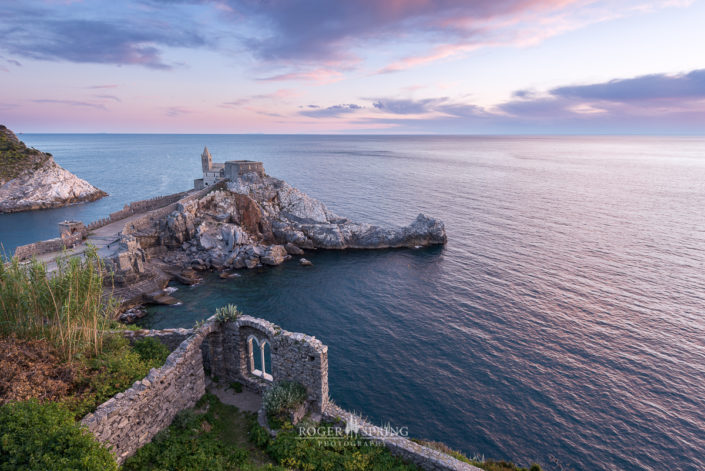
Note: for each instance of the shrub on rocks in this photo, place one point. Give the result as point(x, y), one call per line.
point(282, 399)
point(226, 313)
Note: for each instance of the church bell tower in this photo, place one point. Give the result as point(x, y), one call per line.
point(206, 160)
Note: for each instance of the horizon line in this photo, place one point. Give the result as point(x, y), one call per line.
point(430, 134)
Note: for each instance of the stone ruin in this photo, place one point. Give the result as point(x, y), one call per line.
point(228, 350)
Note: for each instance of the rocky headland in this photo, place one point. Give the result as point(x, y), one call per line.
point(252, 221)
point(30, 179)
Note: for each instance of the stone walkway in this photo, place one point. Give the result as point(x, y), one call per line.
point(105, 239)
point(246, 400)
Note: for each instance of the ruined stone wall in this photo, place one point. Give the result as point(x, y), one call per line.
point(424, 457)
point(132, 418)
point(172, 338)
point(294, 357)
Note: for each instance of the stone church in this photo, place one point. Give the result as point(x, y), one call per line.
point(230, 170)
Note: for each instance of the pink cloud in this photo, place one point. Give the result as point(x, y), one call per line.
point(320, 75)
point(525, 23)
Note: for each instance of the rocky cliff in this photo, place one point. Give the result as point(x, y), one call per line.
point(253, 221)
point(30, 179)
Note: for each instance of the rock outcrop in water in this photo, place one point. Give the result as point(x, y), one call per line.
point(30, 179)
point(298, 219)
point(254, 221)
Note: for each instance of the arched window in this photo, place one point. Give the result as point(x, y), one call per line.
point(267, 360)
point(260, 356)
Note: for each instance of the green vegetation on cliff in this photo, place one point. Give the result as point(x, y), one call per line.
point(55, 339)
point(16, 157)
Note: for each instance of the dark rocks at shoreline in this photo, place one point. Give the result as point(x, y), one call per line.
point(132, 314)
point(292, 249)
point(161, 297)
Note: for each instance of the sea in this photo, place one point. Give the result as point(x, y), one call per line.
point(563, 323)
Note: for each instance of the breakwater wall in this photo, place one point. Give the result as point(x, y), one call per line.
point(137, 207)
point(24, 252)
point(229, 350)
point(47, 246)
point(145, 222)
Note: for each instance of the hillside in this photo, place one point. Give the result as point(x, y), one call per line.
point(16, 157)
point(30, 179)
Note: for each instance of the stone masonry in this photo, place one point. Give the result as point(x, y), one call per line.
point(229, 170)
point(132, 418)
point(294, 357)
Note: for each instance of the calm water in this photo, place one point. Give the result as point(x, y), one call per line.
point(563, 320)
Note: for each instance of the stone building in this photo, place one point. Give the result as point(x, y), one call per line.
point(230, 170)
point(69, 228)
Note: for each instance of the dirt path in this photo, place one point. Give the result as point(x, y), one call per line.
point(245, 400)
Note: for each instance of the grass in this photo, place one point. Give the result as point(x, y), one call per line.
point(59, 361)
point(30, 369)
point(59, 326)
point(210, 437)
point(213, 436)
point(67, 309)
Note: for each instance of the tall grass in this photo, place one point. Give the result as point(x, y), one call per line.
point(67, 308)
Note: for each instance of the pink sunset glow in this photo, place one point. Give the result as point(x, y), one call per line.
point(404, 66)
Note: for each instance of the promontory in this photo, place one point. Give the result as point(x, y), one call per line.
point(31, 179)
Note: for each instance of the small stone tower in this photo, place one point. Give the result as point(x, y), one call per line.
point(206, 159)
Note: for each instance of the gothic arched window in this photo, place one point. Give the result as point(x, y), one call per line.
point(260, 357)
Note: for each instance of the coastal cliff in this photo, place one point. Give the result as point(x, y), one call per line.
point(30, 179)
point(251, 221)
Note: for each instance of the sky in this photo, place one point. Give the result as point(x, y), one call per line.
point(344, 66)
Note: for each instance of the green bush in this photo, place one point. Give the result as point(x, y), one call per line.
point(281, 399)
point(118, 366)
point(39, 437)
point(151, 351)
point(16, 157)
point(331, 454)
point(258, 435)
